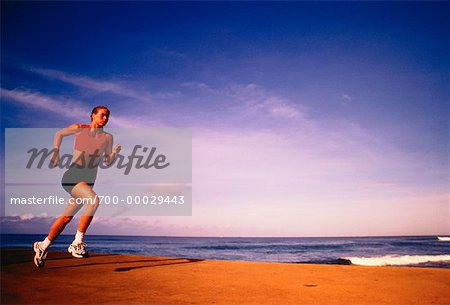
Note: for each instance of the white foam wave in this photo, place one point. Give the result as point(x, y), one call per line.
point(396, 260)
point(444, 238)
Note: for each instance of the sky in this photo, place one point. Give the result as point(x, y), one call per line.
point(307, 118)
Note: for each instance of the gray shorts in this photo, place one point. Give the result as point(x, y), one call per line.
point(76, 174)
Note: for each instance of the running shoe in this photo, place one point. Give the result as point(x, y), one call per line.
point(40, 255)
point(78, 250)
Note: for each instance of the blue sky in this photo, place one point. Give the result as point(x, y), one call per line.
point(308, 119)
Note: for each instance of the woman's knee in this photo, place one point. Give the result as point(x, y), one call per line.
point(93, 207)
point(66, 219)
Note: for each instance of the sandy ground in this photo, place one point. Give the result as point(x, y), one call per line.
point(128, 279)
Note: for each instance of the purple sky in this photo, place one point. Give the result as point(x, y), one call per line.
point(308, 119)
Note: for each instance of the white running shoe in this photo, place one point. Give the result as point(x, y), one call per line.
point(40, 255)
point(78, 250)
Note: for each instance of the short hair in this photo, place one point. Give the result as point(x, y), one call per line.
point(97, 108)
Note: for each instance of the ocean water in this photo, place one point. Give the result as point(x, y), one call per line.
point(417, 251)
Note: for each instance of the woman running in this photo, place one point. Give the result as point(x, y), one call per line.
point(92, 145)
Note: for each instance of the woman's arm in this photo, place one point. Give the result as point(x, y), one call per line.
point(72, 129)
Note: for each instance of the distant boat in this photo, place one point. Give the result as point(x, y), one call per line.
point(444, 238)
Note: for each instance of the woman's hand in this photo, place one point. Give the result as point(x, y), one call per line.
point(55, 158)
point(116, 149)
point(109, 159)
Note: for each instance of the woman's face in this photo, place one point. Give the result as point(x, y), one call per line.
point(101, 117)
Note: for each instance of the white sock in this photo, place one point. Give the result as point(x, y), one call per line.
point(78, 238)
point(45, 244)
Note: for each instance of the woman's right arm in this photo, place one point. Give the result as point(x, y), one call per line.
point(72, 129)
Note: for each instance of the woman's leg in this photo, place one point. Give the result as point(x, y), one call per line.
point(83, 192)
point(40, 248)
point(60, 223)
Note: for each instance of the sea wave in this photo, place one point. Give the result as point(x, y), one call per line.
point(395, 260)
point(443, 238)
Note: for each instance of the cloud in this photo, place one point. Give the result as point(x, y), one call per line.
point(233, 102)
point(172, 53)
point(72, 108)
point(280, 108)
point(69, 108)
point(197, 85)
point(30, 216)
point(98, 85)
point(346, 99)
point(256, 99)
point(248, 100)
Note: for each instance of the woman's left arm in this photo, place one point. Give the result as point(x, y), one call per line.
point(110, 151)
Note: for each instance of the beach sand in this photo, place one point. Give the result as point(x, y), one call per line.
point(130, 279)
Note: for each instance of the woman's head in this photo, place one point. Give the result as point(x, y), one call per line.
point(100, 115)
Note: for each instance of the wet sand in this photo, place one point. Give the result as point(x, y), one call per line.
point(130, 279)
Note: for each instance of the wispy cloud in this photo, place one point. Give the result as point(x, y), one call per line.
point(250, 99)
point(29, 216)
point(69, 108)
point(98, 85)
point(346, 99)
point(172, 53)
point(256, 98)
point(240, 100)
point(197, 85)
point(281, 108)
point(72, 108)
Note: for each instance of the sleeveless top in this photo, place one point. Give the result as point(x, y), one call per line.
point(90, 144)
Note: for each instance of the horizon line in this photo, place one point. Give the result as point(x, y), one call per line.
point(183, 236)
